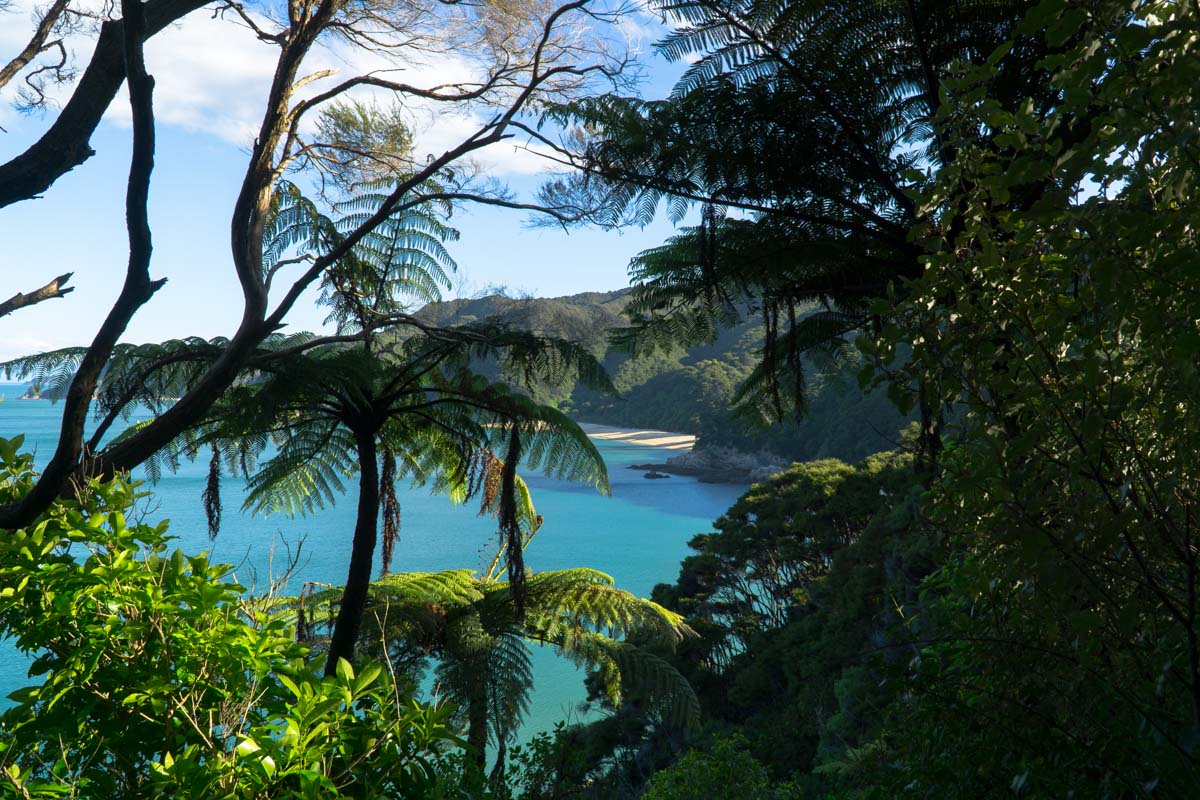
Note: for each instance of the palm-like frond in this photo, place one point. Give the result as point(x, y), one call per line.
point(470, 624)
point(402, 260)
point(52, 370)
point(624, 669)
point(447, 589)
point(307, 471)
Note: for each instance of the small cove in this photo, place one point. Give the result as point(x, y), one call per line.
point(638, 535)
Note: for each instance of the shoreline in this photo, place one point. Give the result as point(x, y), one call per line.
point(711, 465)
point(714, 464)
point(665, 440)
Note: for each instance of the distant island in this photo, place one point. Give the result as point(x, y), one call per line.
point(32, 393)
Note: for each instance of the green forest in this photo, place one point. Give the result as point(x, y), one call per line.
point(691, 388)
point(935, 256)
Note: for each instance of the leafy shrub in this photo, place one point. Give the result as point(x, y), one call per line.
point(727, 771)
point(159, 678)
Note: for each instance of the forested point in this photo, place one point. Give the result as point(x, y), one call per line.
point(932, 260)
point(691, 387)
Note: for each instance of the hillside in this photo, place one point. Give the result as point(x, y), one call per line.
point(687, 391)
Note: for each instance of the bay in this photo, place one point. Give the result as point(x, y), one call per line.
point(638, 535)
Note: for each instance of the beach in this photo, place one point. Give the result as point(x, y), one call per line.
point(681, 442)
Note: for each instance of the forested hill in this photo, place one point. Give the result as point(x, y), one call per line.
point(688, 391)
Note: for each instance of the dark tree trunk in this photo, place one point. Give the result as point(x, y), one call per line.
point(358, 580)
point(497, 775)
point(477, 716)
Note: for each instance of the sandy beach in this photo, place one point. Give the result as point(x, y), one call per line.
point(681, 442)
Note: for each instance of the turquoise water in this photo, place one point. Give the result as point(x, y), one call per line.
point(638, 535)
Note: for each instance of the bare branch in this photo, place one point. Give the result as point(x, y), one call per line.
point(517, 84)
point(65, 145)
point(53, 289)
point(249, 22)
point(38, 43)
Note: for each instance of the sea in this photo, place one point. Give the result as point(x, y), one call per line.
point(638, 535)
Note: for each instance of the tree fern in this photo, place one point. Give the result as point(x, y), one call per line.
point(471, 626)
point(811, 123)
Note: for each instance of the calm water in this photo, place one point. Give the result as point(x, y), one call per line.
point(638, 535)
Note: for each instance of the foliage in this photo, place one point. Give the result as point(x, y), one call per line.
point(727, 771)
point(777, 541)
point(434, 416)
point(362, 143)
point(517, 55)
point(401, 260)
point(797, 599)
point(415, 412)
point(687, 390)
point(801, 130)
point(469, 625)
point(159, 678)
point(532, 771)
point(1059, 309)
point(331, 407)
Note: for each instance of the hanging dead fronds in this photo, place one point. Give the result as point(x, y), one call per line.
point(212, 494)
point(510, 531)
point(391, 508)
point(486, 480)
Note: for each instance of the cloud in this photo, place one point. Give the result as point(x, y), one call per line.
point(212, 76)
point(17, 343)
point(641, 28)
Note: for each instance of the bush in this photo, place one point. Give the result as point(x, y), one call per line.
point(727, 771)
point(159, 678)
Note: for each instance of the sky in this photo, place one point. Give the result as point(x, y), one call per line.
point(211, 76)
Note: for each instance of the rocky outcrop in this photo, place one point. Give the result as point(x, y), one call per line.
point(721, 465)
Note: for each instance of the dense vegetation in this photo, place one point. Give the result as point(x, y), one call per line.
point(1046, 336)
point(801, 599)
point(153, 675)
point(994, 201)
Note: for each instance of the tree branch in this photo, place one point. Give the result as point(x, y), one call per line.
point(37, 42)
point(138, 287)
point(310, 18)
point(820, 93)
point(65, 145)
point(53, 289)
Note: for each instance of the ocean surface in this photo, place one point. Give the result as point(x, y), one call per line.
point(638, 535)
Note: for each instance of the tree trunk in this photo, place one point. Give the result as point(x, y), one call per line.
point(358, 580)
point(497, 780)
point(477, 716)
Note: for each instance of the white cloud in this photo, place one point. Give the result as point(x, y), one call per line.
point(641, 27)
point(17, 343)
point(212, 76)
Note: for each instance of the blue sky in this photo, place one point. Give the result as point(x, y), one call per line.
point(204, 101)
